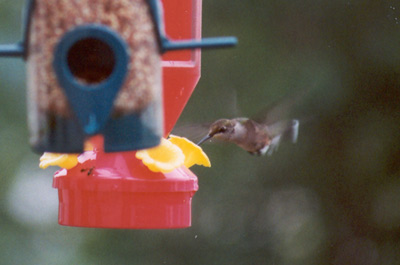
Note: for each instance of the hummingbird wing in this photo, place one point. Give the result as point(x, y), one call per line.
point(194, 132)
point(287, 130)
point(280, 109)
point(282, 131)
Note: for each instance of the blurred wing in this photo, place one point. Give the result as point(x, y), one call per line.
point(282, 131)
point(234, 110)
point(194, 132)
point(280, 109)
point(286, 130)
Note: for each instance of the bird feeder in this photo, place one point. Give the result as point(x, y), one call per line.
point(101, 70)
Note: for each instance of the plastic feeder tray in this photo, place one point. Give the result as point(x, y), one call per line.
point(115, 190)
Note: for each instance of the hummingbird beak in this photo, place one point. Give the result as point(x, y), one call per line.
point(204, 139)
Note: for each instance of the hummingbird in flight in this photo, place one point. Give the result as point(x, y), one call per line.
point(256, 138)
point(262, 134)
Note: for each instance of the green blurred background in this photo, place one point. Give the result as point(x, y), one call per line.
point(333, 198)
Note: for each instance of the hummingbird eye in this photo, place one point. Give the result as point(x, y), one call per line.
point(222, 129)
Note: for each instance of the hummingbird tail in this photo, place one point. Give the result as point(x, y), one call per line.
point(291, 134)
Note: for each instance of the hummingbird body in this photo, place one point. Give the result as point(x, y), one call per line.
point(256, 138)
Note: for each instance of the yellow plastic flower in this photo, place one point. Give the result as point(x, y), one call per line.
point(162, 158)
point(194, 155)
point(173, 153)
point(67, 161)
point(62, 160)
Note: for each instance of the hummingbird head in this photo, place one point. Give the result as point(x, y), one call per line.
point(221, 129)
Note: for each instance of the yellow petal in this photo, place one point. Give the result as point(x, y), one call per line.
point(62, 160)
point(194, 155)
point(163, 158)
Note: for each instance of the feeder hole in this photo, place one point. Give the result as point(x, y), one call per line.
point(91, 60)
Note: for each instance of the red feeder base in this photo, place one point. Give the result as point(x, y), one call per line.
point(115, 190)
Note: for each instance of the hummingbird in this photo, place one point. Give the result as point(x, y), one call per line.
point(256, 138)
point(260, 135)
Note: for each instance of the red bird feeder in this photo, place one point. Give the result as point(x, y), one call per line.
point(115, 190)
point(105, 72)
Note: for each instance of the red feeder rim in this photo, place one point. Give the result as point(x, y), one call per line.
point(115, 190)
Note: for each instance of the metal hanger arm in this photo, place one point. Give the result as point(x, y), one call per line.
point(12, 50)
point(167, 45)
point(20, 49)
